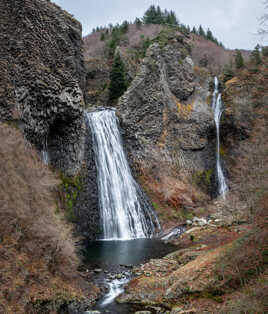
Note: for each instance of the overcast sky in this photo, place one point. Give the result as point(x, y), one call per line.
point(234, 22)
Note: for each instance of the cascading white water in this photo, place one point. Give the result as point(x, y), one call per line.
point(123, 215)
point(44, 153)
point(217, 107)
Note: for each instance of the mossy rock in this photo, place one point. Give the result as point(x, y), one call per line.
point(69, 190)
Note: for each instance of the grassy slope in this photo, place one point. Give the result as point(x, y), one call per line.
point(37, 254)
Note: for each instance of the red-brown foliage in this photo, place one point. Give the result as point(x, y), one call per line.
point(37, 258)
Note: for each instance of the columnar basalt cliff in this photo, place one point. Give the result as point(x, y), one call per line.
point(167, 121)
point(43, 77)
point(160, 112)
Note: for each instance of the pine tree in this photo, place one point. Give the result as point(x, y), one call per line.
point(228, 72)
point(239, 61)
point(201, 32)
point(138, 23)
point(124, 27)
point(154, 15)
point(255, 56)
point(150, 15)
point(158, 18)
point(118, 84)
point(209, 35)
point(194, 31)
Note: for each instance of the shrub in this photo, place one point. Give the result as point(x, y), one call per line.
point(38, 250)
point(228, 72)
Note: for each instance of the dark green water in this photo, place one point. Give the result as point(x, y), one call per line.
point(111, 254)
point(117, 257)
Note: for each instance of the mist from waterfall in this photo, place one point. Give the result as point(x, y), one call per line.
point(217, 107)
point(124, 215)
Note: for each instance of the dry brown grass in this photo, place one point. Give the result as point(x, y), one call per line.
point(173, 197)
point(216, 55)
point(93, 46)
point(243, 268)
point(37, 256)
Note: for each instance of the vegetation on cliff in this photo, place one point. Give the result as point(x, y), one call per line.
point(38, 261)
point(118, 84)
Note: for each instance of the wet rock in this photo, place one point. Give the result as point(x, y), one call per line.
point(127, 266)
point(200, 221)
point(176, 310)
point(98, 270)
point(119, 276)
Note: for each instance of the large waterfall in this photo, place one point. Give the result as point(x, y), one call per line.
point(124, 215)
point(217, 107)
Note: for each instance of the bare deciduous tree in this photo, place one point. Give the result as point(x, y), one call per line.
point(264, 21)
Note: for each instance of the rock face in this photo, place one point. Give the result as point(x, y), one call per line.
point(43, 77)
point(165, 115)
point(87, 205)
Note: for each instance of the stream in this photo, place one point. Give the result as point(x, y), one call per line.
point(112, 262)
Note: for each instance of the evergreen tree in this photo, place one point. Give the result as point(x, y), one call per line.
point(158, 18)
point(239, 61)
point(209, 35)
point(150, 15)
point(124, 27)
point(201, 32)
point(118, 84)
point(194, 31)
point(173, 18)
point(154, 15)
point(255, 56)
point(138, 23)
point(228, 72)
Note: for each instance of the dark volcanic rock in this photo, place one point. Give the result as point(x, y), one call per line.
point(87, 205)
point(165, 114)
point(43, 77)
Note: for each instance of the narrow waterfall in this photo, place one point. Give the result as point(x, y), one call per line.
point(217, 107)
point(44, 153)
point(124, 215)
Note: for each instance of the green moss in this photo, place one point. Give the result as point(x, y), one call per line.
point(202, 177)
point(209, 100)
point(70, 188)
point(222, 151)
point(156, 206)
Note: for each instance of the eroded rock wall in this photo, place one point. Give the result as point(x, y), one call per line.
point(42, 77)
point(167, 121)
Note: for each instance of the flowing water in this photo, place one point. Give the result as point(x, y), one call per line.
point(44, 153)
point(115, 259)
point(125, 214)
point(217, 107)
